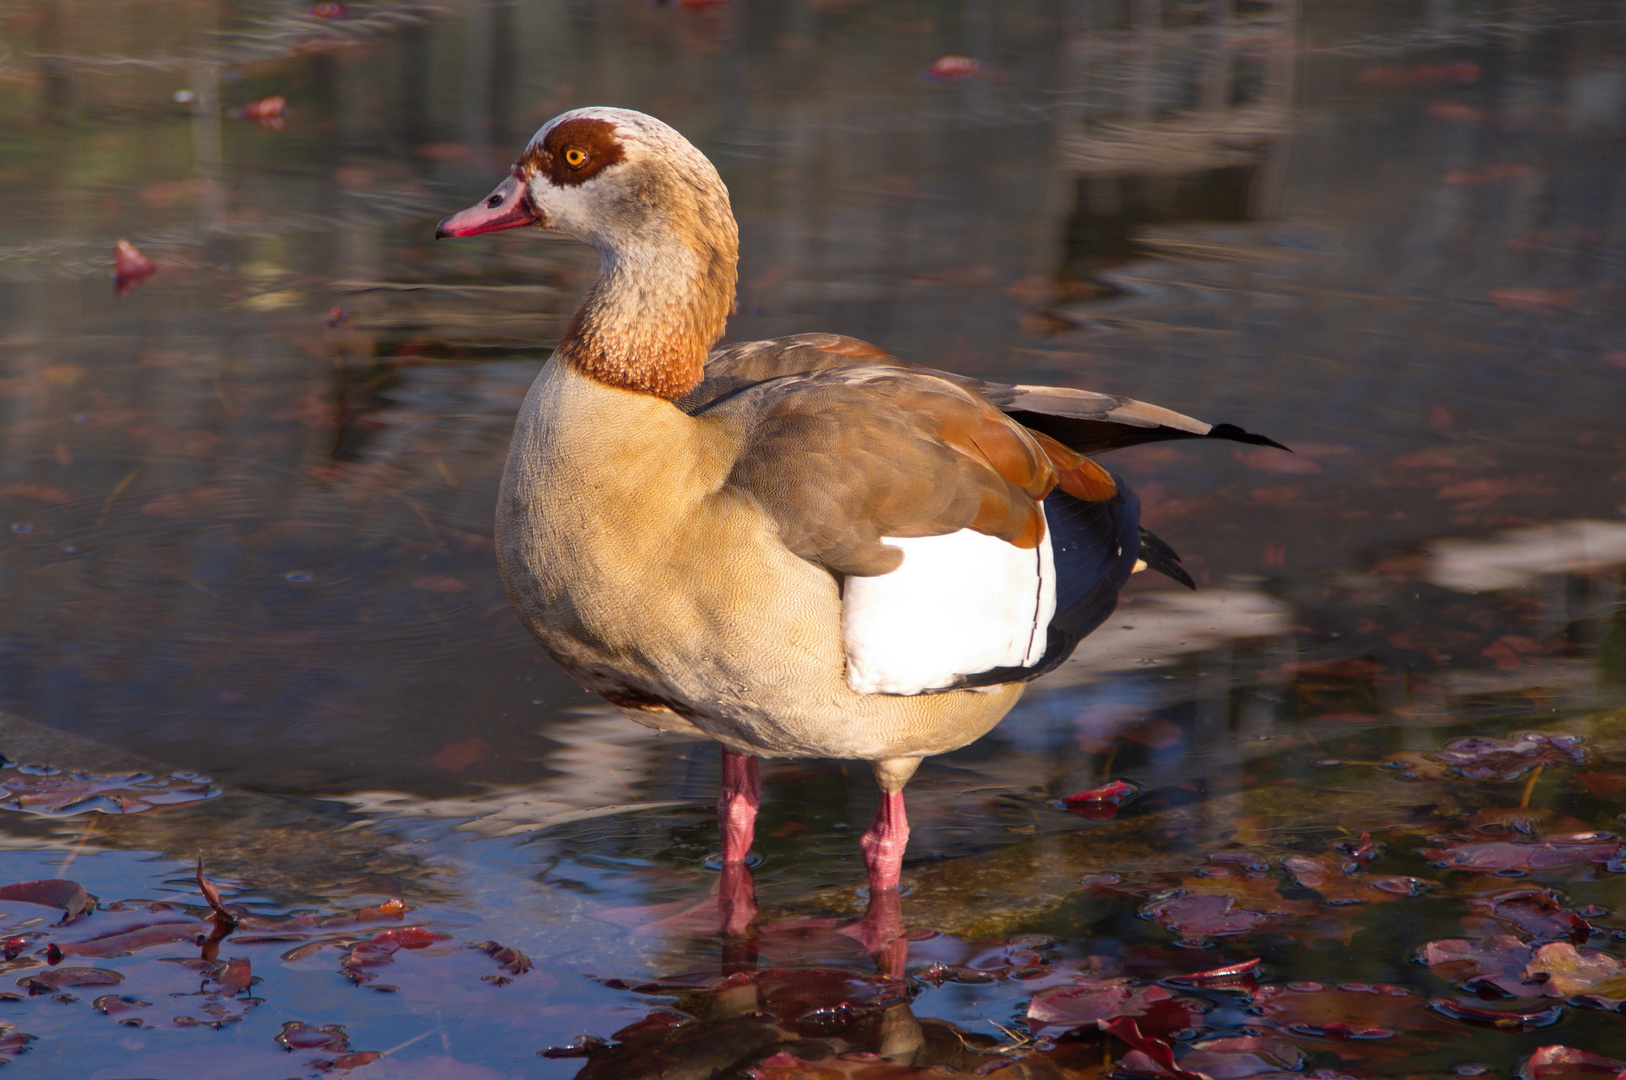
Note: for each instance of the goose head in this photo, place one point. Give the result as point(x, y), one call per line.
point(657, 213)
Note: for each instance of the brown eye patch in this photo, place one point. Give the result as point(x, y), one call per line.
point(575, 151)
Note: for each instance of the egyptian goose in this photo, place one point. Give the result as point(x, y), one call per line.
point(802, 547)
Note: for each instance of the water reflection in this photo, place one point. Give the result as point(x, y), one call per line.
point(241, 542)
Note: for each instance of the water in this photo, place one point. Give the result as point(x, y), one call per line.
point(248, 538)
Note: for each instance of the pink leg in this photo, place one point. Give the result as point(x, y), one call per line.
point(884, 843)
point(737, 805)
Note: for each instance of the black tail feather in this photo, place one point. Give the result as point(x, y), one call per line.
point(1164, 559)
point(1236, 434)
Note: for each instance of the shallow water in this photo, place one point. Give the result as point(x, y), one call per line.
point(250, 537)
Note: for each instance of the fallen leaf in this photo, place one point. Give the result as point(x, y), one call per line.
point(131, 793)
point(1555, 1062)
point(1556, 853)
point(1243, 976)
point(1559, 969)
point(70, 896)
point(130, 268)
point(42, 492)
point(1497, 961)
point(1063, 1008)
point(381, 950)
point(236, 977)
point(115, 1005)
point(1604, 785)
point(1242, 1056)
point(510, 960)
point(55, 979)
point(298, 1035)
point(1456, 111)
point(1101, 804)
point(1150, 1057)
point(1197, 916)
point(953, 69)
point(1346, 1011)
point(1538, 912)
point(1532, 298)
point(126, 942)
point(268, 110)
point(1450, 73)
point(1506, 1017)
point(455, 757)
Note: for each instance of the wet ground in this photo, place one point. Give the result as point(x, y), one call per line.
point(249, 606)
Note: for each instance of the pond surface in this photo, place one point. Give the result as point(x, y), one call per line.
point(249, 606)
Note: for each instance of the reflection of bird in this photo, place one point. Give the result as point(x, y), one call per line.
point(801, 547)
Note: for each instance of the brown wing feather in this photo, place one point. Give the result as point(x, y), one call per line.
point(845, 456)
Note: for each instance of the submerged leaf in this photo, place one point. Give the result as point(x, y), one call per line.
point(1195, 916)
point(298, 1035)
point(127, 793)
point(1242, 1056)
point(1062, 1008)
point(1555, 853)
point(1538, 912)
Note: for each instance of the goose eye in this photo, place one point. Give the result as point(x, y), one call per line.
point(575, 157)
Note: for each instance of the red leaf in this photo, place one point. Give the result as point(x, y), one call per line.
point(1455, 111)
point(1195, 916)
point(41, 492)
point(47, 982)
point(270, 108)
point(1062, 1008)
point(455, 757)
point(125, 942)
point(130, 268)
point(349, 1061)
point(70, 896)
point(1241, 976)
point(211, 895)
point(1242, 1056)
point(509, 959)
point(1154, 1052)
point(1559, 852)
point(298, 1035)
point(1101, 804)
point(1532, 298)
point(1517, 1017)
point(236, 978)
point(953, 69)
point(1550, 1062)
point(1605, 785)
point(1536, 912)
point(130, 793)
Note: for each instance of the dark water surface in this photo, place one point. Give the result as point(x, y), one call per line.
point(247, 540)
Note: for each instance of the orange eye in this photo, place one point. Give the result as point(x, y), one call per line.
point(575, 157)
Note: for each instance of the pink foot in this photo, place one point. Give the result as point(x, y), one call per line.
point(737, 805)
point(883, 844)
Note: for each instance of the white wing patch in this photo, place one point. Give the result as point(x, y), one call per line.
point(959, 604)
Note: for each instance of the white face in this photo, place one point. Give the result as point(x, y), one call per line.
point(618, 180)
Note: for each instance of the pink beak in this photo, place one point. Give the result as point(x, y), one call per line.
point(508, 207)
